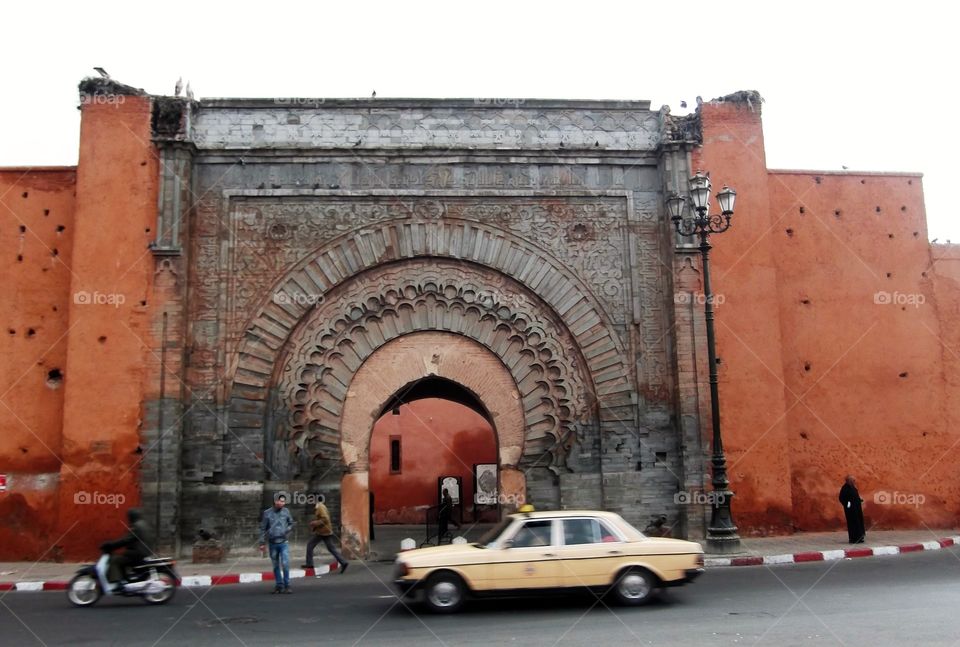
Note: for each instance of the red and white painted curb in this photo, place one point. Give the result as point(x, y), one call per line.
point(831, 555)
point(188, 580)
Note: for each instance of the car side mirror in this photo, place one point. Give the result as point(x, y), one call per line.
point(508, 543)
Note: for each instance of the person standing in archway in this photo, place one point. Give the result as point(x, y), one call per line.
point(853, 510)
point(444, 515)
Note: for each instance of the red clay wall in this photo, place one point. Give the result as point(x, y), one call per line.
point(439, 438)
point(744, 277)
point(36, 236)
point(109, 322)
point(835, 357)
point(863, 349)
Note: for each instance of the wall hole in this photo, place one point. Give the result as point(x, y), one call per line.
point(903, 208)
point(54, 378)
point(31, 332)
point(147, 230)
point(817, 179)
point(909, 181)
point(803, 435)
point(56, 252)
point(863, 181)
point(836, 212)
point(889, 235)
point(904, 374)
point(790, 232)
point(923, 274)
point(60, 228)
point(916, 234)
point(19, 258)
point(102, 339)
point(23, 229)
point(889, 275)
point(11, 331)
point(803, 209)
point(144, 302)
point(24, 194)
point(805, 302)
point(46, 212)
point(143, 163)
point(878, 209)
point(806, 366)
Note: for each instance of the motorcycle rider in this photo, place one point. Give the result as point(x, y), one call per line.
point(136, 542)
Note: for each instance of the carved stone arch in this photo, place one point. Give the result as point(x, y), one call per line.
point(325, 351)
point(432, 230)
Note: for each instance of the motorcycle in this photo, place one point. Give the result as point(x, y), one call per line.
point(155, 580)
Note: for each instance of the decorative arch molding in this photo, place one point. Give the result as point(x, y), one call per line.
point(333, 342)
point(429, 234)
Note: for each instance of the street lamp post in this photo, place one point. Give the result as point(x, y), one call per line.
point(722, 534)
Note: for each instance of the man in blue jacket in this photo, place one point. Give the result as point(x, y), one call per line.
point(276, 525)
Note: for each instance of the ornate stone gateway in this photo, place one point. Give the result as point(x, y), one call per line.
point(338, 251)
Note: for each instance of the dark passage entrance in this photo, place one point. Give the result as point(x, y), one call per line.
point(429, 429)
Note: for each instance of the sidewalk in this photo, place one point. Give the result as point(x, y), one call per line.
point(801, 547)
point(828, 546)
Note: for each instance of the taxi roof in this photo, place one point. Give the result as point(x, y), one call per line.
point(541, 514)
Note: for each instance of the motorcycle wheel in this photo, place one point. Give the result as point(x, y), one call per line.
point(84, 590)
point(169, 588)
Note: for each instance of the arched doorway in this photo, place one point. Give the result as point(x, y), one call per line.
point(430, 429)
point(443, 363)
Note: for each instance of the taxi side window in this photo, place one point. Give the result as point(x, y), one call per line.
point(586, 531)
point(533, 533)
point(580, 531)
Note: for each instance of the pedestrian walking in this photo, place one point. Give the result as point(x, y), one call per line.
point(323, 532)
point(276, 524)
point(853, 511)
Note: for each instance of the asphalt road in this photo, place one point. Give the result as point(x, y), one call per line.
point(907, 600)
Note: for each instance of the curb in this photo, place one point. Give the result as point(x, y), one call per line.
point(189, 580)
point(831, 555)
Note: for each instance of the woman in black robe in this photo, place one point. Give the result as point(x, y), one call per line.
point(850, 500)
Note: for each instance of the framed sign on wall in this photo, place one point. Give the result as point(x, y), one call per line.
point(485, 484)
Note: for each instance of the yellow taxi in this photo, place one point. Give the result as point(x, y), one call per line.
point(530, 552)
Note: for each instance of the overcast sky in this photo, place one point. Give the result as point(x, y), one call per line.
point(866, 85)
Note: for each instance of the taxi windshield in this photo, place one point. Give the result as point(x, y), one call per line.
point(491, 535)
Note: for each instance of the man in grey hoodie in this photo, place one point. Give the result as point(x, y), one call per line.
point(276, 525)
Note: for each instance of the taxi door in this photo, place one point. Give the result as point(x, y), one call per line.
point(591, 552)
point(528, 559)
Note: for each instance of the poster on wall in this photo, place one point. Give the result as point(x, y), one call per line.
point(485, 488)
point(452, 485)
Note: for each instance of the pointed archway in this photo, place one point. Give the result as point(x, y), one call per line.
point(390, 370)
point(432, 428)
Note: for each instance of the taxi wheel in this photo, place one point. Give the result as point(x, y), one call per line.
point(444, 592)
point(634, 587)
